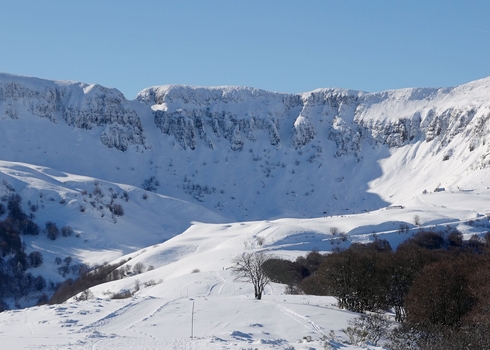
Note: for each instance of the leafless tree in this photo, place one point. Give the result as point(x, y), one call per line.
point(248, 268)
point(139, 268)
point(374, 326)
point(416, 220)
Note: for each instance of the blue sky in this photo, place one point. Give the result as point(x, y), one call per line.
point(279, 45)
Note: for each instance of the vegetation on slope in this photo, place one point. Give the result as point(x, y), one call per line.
point(437, 285)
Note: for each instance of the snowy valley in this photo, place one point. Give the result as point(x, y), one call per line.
point(183, 179)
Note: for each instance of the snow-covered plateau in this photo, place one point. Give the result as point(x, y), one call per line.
point(200, 175)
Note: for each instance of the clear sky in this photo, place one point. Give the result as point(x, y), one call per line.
point(279, 45)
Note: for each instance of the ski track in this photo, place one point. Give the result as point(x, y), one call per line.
point(302, 320)
point(210, 291)
point(26, 321)
point(99, 341)
point(127, 316)
point(221, 284)
point(230, 319)
point(111, 331)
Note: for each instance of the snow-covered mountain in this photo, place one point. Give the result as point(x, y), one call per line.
point(184, 178)
point(229, 149)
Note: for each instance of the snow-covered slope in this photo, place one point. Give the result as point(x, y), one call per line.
point(191, 271)
point(230, 149)
point(200, 174)
point(84, 204)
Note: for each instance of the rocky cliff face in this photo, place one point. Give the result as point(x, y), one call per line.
point(197, 116)
point(80, 105)
point(202, 116)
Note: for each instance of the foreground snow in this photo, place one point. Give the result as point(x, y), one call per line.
point(191, 270)
point(220, 322)
point(368, 156)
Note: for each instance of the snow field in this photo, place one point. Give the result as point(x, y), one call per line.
point(209, 202)
point(193, 267)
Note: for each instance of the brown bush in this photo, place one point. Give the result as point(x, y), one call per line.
point(440, 295)
point(71, 287)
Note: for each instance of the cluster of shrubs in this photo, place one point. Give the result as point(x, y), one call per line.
point(14, 262)
point(65, 268)
point(437, 284)
point(87, 279)
point(98, 200)
point(90, 278)
point(292, 273)
point(15, 281)
point(150, 184)
point(196, 190)
point(52, 231)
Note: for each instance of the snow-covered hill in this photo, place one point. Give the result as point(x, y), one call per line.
point(229, 148)
point(191, 270)
point(198, 174)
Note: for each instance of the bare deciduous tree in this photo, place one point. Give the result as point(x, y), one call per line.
point(416, 220)
point(139, 268)
point(374, 326)
point(248, 268)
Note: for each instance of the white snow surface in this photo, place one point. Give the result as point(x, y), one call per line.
point(193, 269)
point(285, 168)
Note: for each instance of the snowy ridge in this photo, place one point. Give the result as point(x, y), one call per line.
point(236, 112)
point(84, 106)
point(289, 151)
point(410, 114)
